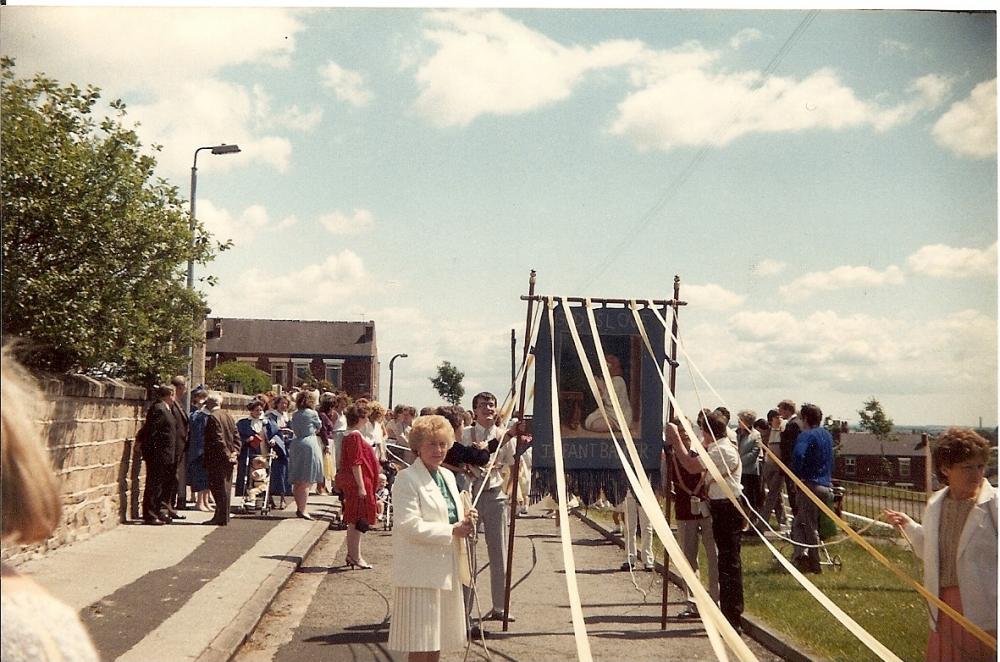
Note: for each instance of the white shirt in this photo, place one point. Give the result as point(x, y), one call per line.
point(505, 455)
point(726, 458)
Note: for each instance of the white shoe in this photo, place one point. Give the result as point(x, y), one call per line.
point(523, 511)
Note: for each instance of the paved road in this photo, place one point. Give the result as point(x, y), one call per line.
point(331, 614)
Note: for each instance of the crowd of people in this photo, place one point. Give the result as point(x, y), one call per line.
point(437, 464)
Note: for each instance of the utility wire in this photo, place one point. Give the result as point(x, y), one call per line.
point(685, 175)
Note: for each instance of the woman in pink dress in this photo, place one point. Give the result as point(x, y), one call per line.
point(357, 480)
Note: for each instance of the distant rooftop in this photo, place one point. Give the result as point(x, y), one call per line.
point(298, 337)
point(866, 443)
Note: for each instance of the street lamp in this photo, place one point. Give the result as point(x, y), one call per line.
point(391, 374)
point(216, 149)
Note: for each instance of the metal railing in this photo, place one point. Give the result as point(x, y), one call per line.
point(870, 500)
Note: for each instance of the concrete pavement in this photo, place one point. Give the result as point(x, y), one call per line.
point(182, 592)
point(192, 593)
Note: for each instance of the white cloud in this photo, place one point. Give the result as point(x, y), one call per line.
point(744, 36)
point(146, 47)
point(692, 104)
point(242, 228)
point(487, 63)
point(840, 278)
point(768, 267)
point(291, 117)
point(471, 344)
point(337, 222)
point(170, 58)
point(832, 353)
point(893, 47)
point(349, 86)
point(341, 278)
point(711, 297)
point(940, 261)
point(969, 127)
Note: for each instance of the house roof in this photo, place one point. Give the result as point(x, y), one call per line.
point(865, 443)
point(292, 337)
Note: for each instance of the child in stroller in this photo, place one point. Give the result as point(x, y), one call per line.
point(257, 494)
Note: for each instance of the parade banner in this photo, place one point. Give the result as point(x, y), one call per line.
point(591, 462)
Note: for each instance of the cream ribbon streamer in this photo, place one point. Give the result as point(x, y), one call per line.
point(579, 626)
point(716, 622)
point(863, 635)
point(647, 498)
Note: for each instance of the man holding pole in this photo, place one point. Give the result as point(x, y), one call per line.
point(493, 503)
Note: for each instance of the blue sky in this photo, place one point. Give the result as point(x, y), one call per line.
point(823, 183)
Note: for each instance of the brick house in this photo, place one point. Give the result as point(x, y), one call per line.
point(862, 458)
point(343, 353)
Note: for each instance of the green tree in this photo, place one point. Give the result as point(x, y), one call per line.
point(874, 420)
point(94, 246)
point(253, 380)
point(448, 383)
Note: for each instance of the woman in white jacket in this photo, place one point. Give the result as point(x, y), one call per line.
point(958, 544)
point(430, 524)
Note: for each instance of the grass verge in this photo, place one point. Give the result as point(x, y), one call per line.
point(882, 604)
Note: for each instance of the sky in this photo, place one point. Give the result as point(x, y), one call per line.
point(824, 183)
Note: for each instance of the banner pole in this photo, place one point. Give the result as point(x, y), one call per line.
point(665, 478)
point(516, 469)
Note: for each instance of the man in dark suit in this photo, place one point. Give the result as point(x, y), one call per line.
point(222, 447)
point(159, 453)
point(789, 435)
point(176, 490)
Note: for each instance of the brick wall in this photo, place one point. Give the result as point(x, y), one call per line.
point(89, 426)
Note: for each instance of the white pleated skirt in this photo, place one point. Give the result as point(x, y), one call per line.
point(427, 619)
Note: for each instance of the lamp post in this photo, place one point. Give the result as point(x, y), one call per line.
point(216, 149)
point(391, 375)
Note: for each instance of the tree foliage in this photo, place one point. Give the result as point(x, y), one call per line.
point(94, 245)
point(253, 380)
point(448, 383)
point(874, 420)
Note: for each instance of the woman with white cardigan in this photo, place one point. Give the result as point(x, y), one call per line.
point(958, 544)
point(430, 563)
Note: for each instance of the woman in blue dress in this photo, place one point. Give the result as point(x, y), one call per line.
point(278, 414)
point(197, 475)
point(305, 454)
point(255, 434)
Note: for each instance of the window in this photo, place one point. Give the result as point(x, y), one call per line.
point(904, 467)
point(850, 466)
point(333, 371)
point(279, 372)
point(301, 370)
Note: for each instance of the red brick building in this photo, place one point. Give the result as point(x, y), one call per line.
point(343, 353)
point(862, 458)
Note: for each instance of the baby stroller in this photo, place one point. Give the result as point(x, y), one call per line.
point(260, 499)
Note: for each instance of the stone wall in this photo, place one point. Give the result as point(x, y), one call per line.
point(89, 427)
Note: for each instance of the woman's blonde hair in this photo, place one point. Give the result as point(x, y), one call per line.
point(426, 428)
point(31, 505)
point(306, 399)
point(377, 410)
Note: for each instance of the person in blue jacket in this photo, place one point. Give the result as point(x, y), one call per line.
point(812, 463)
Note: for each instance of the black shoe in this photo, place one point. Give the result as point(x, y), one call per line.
point(475, 633)
point(689, 612)
point(214, 522)
point(177, 515)
point(494, 615)
point(166, 519)
point(625, 567)
point(153, 521)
